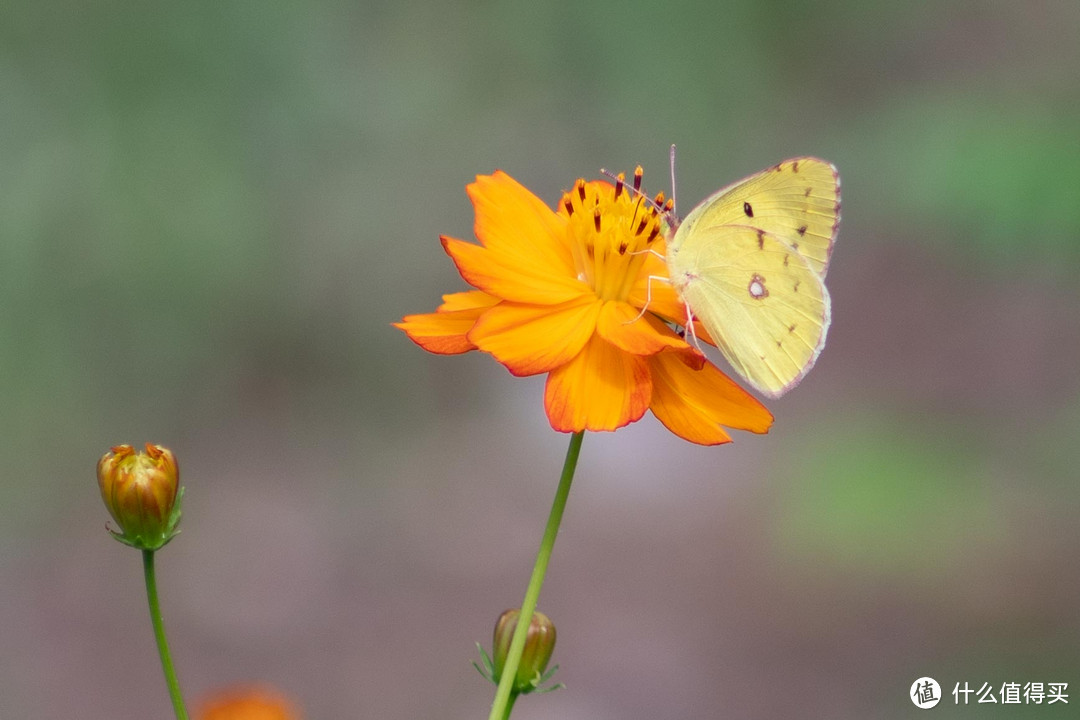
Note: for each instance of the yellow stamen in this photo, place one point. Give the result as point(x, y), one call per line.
point(609, 247)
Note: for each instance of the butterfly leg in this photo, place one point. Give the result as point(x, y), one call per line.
point(648, 297)
point(689, 327)
point(648, 286)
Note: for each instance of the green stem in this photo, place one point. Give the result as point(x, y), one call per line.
point(509, 706)
point(500, 708)
point(159, 634)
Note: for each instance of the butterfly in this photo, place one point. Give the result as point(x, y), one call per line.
point(749, 263)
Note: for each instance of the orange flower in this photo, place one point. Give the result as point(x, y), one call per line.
point(247, 703)
point(561, 292)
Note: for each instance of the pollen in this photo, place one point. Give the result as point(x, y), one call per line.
point(610, 230)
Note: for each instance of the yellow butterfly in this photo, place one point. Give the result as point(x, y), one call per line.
point(749, 262)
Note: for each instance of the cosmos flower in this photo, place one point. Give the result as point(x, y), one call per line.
point(568, 292)
point(247, 703)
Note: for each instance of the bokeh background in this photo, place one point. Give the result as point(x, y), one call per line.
point(211, 212)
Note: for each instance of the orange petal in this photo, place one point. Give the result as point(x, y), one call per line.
point(694, 404)
point(531, 339)
point(443, 332)
point(525, 237)
point(690, 356)
point(620, 325)
point(509, 218)
point(512, 277)
point(467, 301)
point(603, 388)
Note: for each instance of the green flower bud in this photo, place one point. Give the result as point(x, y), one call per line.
point(539, 644)
point(142, 492)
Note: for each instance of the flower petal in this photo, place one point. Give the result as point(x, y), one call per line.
point(510, 218)
point(513, 277)
point(525, 237)
point(443, 332)
point(620, 325)
point(467, 300)
point(603, 388)
point(693, 404)
point(440, 333)
point(531, 339)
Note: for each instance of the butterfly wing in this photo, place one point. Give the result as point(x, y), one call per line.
point(797, 201)
point(763, 303)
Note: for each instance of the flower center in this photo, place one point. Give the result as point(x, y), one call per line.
point(612, 228)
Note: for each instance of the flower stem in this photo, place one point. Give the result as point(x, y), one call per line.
point(500, 708)
point(159, 634)
point(509, 706)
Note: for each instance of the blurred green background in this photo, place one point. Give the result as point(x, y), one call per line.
point(211, 212)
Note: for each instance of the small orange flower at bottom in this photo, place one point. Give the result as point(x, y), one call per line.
point(247, 703)
point(562, 292)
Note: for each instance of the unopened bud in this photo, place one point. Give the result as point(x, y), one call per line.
point(142, 492)
point(539, 644)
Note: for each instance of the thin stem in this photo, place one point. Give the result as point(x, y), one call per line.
point(500, 708)
point(509, 705)
point(159, 634)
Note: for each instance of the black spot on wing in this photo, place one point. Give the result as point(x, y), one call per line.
point(746, 208)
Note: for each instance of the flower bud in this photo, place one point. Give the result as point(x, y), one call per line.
point(539, 644)
point(142, 492)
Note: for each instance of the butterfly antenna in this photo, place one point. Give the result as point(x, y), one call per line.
point(674, 206)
